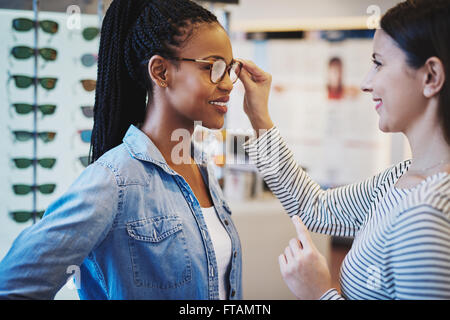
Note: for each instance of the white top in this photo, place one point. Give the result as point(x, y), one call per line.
point(222, 248)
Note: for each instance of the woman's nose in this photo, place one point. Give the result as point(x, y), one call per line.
point(226, 84)
point(366, 84)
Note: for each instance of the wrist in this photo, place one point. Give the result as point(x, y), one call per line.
point(261, 124)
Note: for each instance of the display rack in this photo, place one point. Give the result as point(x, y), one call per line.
point(35, 111)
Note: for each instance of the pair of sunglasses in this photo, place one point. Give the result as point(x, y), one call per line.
point(24, 189)
point(84, 160)
point(88, 111)
point(24, 82)
point(219, 68)
point(25, 108)
point(25, 24)
point(89, 59)
point(23, 163)
point(85, 135)
point(90, 33)
point(24, 216)
point(24, 52)
point(89, 84)
point(45, 136)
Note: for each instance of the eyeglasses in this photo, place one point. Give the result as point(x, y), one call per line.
point(24, 24)
point(24, 52)
point(25, 108)
point(24, 216)
point(88, 84)
point(24, 189)
point(88, 111)
point(45, 136)
point(90, 33)
point(85, 135)
point(88, 59)
point(84, 160)
point(219, 68)
point(23, 163)
point(24, 82)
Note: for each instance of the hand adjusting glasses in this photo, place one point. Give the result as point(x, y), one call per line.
point(219, 68)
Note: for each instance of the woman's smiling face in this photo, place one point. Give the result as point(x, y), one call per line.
point(396, 88)
point(191, 91)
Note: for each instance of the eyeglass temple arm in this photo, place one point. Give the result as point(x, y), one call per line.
point(194, 60)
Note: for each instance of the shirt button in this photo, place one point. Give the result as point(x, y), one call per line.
point(235, 254)
point(226, 222)
point(233, 293)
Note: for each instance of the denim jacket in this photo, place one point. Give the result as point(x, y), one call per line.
point(129, 227)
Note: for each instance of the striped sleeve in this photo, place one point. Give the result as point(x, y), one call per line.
point(339, 212)
point(331, 294)
point(419, 254)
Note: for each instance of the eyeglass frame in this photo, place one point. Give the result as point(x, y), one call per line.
point(227, 69)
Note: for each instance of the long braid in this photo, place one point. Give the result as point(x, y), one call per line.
point(132, 32)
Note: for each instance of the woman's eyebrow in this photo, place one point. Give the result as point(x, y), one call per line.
point(216, 57)
point(213, 56)
point(374, 55)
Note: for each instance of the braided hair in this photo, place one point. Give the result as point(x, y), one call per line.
point(132, 32)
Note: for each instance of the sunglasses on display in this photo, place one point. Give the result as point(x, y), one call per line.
point(85, 135)
point(88, 84)
point(88, 59)
point(24, 163)
point(88, 111)
point(84, 160)
point(24, 216)
point(25, 24)
point(45, 136)
point(90, 33)
point(219, 68)
point(24, 82)
point(25, 108)
point(24, 52)
point(24, 189)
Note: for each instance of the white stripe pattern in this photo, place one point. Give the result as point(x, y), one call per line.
point(401, 246)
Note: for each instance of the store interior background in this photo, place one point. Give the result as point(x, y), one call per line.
point(334, 137)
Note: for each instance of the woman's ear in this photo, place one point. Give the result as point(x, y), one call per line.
point(434, 77)
point(157, 69)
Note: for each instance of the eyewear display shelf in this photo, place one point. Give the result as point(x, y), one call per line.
point(46, 103)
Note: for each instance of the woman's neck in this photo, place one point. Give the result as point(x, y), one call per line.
point(170, 132)
point(430, 151)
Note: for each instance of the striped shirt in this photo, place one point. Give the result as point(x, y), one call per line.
point(401, 246)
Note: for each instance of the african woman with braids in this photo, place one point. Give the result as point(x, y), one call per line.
point(139, 223)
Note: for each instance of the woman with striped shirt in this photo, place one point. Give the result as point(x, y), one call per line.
point(400, 218)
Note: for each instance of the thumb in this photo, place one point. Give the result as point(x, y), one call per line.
point(302, 233)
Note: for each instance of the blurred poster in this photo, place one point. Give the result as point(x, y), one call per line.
point(316, 102)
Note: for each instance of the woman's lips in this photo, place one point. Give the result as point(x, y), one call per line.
point(379, 104)
point(220, 106)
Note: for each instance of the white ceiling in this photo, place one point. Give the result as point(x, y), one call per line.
point(253, 13)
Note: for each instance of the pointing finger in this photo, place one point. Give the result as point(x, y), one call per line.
point(302, 233)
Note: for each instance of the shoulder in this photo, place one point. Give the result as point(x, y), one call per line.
point(124, 167)
point(388, 177)
point(435, 192)
point(427, 204)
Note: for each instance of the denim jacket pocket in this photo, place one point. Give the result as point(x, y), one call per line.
point(159, 254)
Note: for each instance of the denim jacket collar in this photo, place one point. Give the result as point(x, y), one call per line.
point(142, 147)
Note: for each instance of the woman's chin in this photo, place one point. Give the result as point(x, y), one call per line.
point(214, 125)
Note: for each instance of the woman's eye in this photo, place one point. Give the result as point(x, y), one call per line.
point(377, 64)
